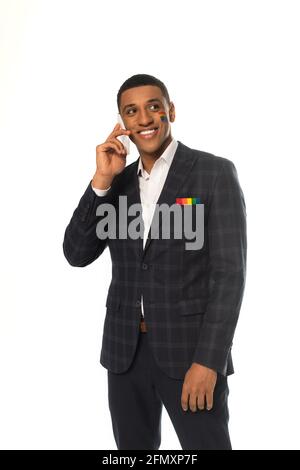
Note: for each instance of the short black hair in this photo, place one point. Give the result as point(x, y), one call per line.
point(142, 79)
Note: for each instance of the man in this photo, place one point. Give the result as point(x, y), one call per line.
point(171, 312)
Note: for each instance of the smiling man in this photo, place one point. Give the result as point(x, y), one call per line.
point(171, 313)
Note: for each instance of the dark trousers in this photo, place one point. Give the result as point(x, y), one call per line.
point(136, 398)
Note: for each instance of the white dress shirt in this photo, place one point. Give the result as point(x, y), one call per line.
point(150, 187)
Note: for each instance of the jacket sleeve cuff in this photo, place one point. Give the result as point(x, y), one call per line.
point(216, 359)
point(100, 192)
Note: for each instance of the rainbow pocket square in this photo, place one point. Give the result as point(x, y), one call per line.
point(188, 200)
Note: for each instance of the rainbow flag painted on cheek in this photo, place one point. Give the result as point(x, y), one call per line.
point(188, 200)
point(163, 116)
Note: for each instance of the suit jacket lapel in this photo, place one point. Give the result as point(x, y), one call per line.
point(178, 172)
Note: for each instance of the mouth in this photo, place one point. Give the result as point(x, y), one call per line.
point(147, 134)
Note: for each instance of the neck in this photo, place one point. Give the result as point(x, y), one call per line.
point(148, 159)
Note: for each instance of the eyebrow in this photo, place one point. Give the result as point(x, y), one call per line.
point(148, 101)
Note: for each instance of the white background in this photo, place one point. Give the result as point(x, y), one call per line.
point(232, 70)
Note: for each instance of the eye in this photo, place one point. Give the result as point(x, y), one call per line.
point(157, 106)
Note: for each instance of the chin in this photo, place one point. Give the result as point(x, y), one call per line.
point(150, 147)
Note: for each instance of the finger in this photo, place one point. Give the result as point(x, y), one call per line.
point(184, 401)
point(121, 132)
point(119, 144)
point(193, 402)
point(209, 401)
point(107, 146)
point(115, 129)
point(200, 401)
point(118, 130)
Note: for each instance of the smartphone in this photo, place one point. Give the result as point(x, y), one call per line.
point(123, 138)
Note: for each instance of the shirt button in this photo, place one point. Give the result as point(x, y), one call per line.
point(138, 303)
point(145, 266)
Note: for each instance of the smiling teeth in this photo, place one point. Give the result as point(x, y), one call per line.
point(148, 132)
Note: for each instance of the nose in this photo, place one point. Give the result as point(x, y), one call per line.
point(145, 119)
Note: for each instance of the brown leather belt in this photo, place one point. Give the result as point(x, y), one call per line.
point(143, 327)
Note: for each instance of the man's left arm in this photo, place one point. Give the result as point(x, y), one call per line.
point(227, 252)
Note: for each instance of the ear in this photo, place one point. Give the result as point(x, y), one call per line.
point(172, 112)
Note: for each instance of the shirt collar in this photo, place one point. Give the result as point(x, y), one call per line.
point(167, 156)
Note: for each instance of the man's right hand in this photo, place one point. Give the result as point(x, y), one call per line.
point(110, 158)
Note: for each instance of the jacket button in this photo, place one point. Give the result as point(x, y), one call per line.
point(138, 303)
point(145, 266)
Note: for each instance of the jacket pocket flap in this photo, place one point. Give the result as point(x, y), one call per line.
point(191, 306)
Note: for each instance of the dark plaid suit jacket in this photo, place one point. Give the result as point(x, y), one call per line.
point(192, 298)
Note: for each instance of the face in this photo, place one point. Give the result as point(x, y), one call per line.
point(145, 108)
